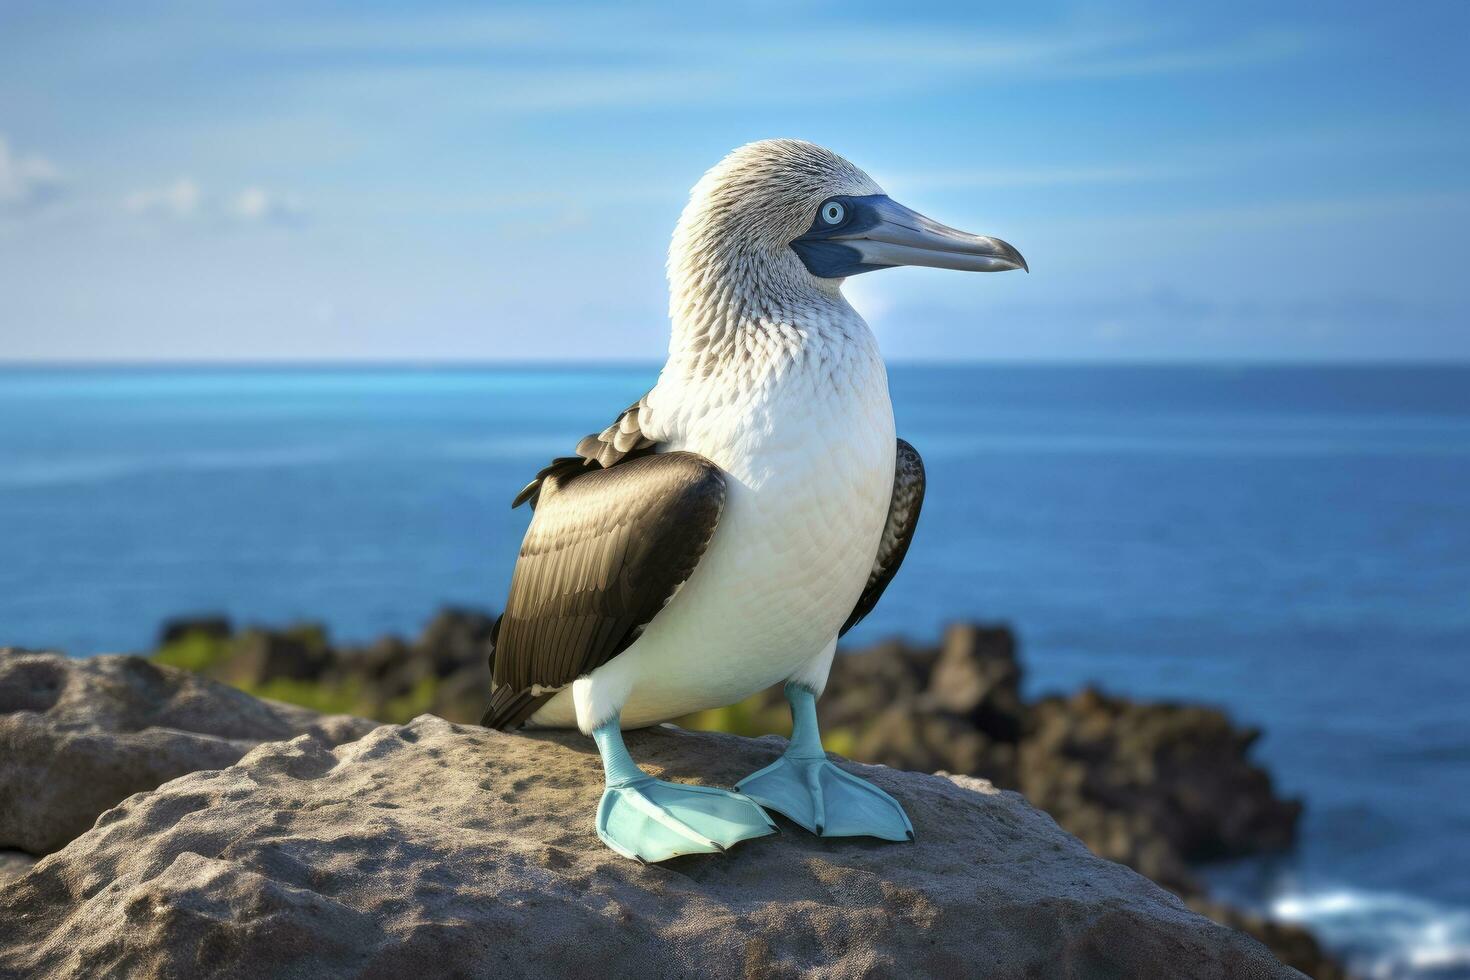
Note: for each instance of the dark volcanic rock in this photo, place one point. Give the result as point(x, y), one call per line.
point(977, 678)
point(77, 736)
point(258, 656)
point(456, 638)
point(1156, 786)
point(457, 851)
point(444, 670)
point(1127, 777)
point(216, 626)
point(1292, 944)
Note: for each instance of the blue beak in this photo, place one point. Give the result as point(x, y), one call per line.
point(877, 232)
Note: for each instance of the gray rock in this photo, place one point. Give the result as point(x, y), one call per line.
point(13, 864)
point(978, 678)
point(257, 656)
point(78, 736)
point(451, 850)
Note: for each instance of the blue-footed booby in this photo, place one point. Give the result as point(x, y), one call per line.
point(723, 532)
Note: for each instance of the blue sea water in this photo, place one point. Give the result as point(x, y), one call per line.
point(1291, 543)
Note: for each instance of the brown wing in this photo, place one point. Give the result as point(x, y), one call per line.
point(619, 442)
point(606, 550)
point(903, 517)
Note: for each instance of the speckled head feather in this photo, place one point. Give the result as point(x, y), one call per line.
point(730, 261)
point(762, 195)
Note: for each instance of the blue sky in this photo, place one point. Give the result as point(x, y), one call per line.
point(456, 182)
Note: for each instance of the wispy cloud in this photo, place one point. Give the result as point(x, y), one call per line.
point(520, 61)
point(27, 182)
point(185, 201)
point(1038, 177)
point(179, 201)
point(1159, 57)
point(260, 206)
point(1295, 213)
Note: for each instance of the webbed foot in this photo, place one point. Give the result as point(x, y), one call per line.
point(813, 792)
point(653, 820)
point(826, 800)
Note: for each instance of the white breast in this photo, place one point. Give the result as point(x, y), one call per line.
point(807, 445)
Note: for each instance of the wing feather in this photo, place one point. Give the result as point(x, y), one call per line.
point(903, 518)
point(606, 550)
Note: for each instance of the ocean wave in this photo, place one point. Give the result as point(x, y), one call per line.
point(1381, 934)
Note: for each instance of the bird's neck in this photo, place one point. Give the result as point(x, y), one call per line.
point(742, 312)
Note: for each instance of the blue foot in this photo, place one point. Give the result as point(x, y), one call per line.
point(652, 820)
point(813, 792)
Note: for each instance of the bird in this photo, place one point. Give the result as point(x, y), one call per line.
point(722, 533)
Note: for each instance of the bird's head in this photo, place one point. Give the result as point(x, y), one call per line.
point(785, 210)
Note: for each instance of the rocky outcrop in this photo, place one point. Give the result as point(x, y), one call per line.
point(13, 864)
point(1157, 786)
point(78, 736)
point(467, 852)
point(445, 670)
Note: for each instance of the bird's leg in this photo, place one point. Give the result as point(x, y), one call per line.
point(652, 820)
point(813, 792)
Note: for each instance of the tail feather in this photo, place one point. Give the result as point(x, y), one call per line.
point(510, 709)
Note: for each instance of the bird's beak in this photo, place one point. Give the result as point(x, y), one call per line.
point(880, 233)
point(902, 236)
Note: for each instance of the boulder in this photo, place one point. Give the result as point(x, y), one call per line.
point(1155, 785)
point(978, 678)
point(216, 626)
point(455, 638)
point(13, 864)
point(1293, 944)
point(78, 736)
point(259, 656)
point(467, 852)
point(1158, 786)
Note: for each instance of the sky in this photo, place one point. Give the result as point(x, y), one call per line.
point(460, 182)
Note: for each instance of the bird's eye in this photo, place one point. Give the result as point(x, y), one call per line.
point(833, 212)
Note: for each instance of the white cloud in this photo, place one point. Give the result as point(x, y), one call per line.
point(179, 201)
point(26, 182)
point(256, 204)
point(185, 200)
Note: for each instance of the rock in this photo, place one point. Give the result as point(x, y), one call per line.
point(1292, 944)
point(470, 852)
point(456, 638)
point(891, 672)
point(259, 656)
point(13, 864)
point(216, 626)
point(376, 664)
point(462, 695)
point(977, 678)
point(1156, 786)
point(77, 736)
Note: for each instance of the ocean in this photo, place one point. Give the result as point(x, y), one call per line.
point(1290, 543)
